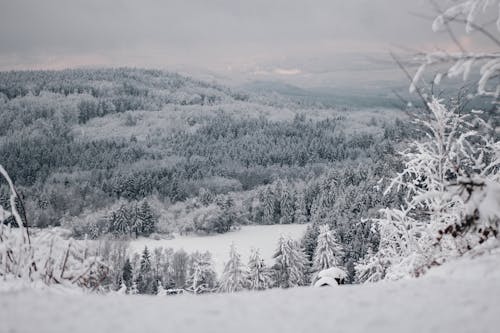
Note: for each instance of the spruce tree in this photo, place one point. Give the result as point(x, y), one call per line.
point(328, 252)
point(300, 213)
point(310, 241)
point(147, 219)
point(127, 273)
point(287, 208)
point(258, 276)
point(144, 278)
point(268, 206)
point(232, 279)
point(291, 263)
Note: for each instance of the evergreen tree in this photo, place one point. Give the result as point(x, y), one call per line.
point(310, 240)
point(144, 280)
point(291, 263)
point(328, 252)
point(268, 205)
point(146, 218)
point(127, 273)
point(120, 221)
point(287, 208)
point(233, 276)
point(300, 213)
point(258, 276)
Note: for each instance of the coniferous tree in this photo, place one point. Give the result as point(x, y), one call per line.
point(144, 280)
point(127, 274)
point(287, 208)
point(146, 219)
point(258, 276)
point(291, 263)
point(268, 206)
point(232, 279)
point(310, 241)
point(328, 252)
point(300, 213)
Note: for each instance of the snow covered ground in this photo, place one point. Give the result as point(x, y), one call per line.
point(263, 237)
point(461, 296)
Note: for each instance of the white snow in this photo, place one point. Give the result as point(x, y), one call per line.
point(263, 237)
point(333, 272)
point(461, 296)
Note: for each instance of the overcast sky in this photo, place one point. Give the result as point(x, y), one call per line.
point(255, 38)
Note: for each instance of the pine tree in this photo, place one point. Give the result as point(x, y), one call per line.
point(291, 263)
point(328, 252)
point(258, 276)
point(232, 279)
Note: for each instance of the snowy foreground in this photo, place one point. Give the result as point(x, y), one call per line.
point(463, 296)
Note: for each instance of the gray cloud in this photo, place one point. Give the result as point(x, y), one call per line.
point(243, 36)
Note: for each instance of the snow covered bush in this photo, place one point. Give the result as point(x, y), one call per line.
point(47, 258)
point(451, 185)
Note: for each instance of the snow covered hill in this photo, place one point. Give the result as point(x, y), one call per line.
point(461, 296)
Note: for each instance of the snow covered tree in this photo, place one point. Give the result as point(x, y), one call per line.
point(300, 214)
point(328, 252)
point(127, 274)
point(202, 277)
point(287, 208)
point(258, 276)
point(146, 219)
point(233, 276)
point(310, 241)
point(291, 263)
point(145, 280)
point(268, 205)
point(451, 182)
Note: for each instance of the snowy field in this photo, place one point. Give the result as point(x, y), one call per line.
point(263, 237)
point(462, 296)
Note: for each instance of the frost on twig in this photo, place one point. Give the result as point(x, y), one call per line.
point(462, 63)
point(451, 184)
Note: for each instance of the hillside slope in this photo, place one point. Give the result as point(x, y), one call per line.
point(461, 296)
